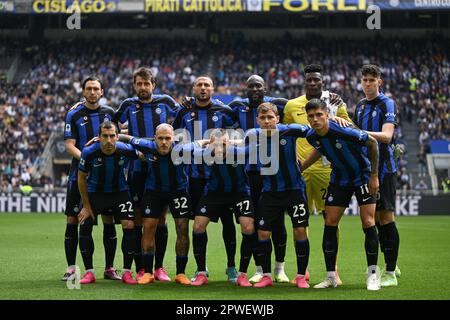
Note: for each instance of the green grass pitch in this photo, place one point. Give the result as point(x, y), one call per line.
point(32, 262)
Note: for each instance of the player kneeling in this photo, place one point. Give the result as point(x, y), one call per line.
point(165, 186)
point(226, 193)
point(103, 189)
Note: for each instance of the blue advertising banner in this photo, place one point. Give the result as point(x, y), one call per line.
point(440, 146)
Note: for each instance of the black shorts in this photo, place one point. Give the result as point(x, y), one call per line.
point(215, 206)
point(386, 194)
point(338, 196)
point(273, 204)
point(73, 199)
point(117, 204)
point(136, 182)
point(153, 204)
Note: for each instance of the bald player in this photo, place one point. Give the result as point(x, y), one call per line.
point(166, 185)
point(317, 176)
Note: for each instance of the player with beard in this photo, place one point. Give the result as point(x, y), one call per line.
point(143, 114)
point(104, 190)
point(205, 114)
point(82, 124)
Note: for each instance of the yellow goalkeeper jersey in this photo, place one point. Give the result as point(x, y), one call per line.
point(294, 112)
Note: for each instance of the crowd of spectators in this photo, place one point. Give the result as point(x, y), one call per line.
point(34, 108)
point(415, 74)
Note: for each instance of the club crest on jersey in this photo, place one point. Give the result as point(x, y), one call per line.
point(283, 142)
point(135, 198)
point(374, 113)
point(158, 110)
point(85, 118)
point(261, 222)
point(147, 210)
point(203, 210)
point(193, 114)
point(76, 209)
point(330, 198)
point(338, 145)
point(99, 159)
point(121, 162)
point(215, 118)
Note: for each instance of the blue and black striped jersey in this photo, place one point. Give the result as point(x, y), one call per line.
point(371, 116)
point(282, 171)
point(228, 176)
point(106, 172)
point(198, 120)
point(165, 173)
point(143, 118)
point(83, 124)
point(345, 149)
point(246, 114)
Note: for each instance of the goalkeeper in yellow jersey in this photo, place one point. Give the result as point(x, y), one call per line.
point(317, 176)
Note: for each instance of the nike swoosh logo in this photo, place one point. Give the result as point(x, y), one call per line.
point(97, 165)
point(246, 212)
point(189, 120)
point(300, 221)
point(181, 213)
point(367, 198)
point(84, 123)
point(133, 112)
point(302, 113)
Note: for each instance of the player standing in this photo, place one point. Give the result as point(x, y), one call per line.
point(376, 114)
point(207, 114)
point(317, 177)
point(354, 158)
point(82, 124)
point(143, 114)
